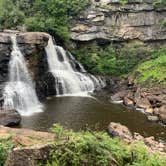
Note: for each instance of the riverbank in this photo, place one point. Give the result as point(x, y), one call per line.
point(22, 146)
point(150, 101)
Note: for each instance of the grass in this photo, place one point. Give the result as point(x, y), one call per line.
point(152, 71)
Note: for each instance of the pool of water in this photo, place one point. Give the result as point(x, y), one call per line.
point(79, 112)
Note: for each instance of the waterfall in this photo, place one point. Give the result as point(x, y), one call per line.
point(68, 80)
point(19, 92)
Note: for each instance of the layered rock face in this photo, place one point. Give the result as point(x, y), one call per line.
point(108, 20)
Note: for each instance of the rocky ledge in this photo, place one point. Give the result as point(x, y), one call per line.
point(153, 146)
point(108, 20)
point(29, 147)
point(151, 101)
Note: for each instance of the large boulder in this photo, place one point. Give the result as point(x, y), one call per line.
point(118, 130)
point(9, 117)
point(29, 147)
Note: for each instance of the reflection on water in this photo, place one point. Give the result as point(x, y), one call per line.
point(78, 112)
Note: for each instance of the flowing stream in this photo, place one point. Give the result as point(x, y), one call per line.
point(68, 80)
point(19, 92)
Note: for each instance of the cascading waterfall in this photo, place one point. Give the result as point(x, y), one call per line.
point(68, 80)
point(19, 92)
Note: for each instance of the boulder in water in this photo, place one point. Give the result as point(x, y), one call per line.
point(9, 117)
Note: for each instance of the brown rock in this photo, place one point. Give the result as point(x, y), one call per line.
point(128, 102)
point(118, 130)
point(30, 146)
point(149, 110)
point(9, 117)
point(119, 96)
point(29, 156)
point(39, 38)
point(5, 38)
point(143, 103)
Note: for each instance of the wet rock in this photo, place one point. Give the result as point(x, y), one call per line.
point(118, 130)
point(9, 117)
point(153, 118)
point(118, 96)
point(128, 102)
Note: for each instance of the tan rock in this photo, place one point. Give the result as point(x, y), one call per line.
point(30, 146)
point(39, 38)
point(118, 130)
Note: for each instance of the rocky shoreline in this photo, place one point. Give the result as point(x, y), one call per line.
point(150, 101)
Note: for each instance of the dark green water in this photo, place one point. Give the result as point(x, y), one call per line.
point(78, 112)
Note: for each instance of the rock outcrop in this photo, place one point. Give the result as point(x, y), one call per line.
point(108, 20)
point(9, 117)
point(29, 147)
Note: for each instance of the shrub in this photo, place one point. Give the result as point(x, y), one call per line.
point(87, 148)
point(5, 147)
point(112, 61)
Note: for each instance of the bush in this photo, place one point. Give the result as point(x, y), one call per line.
point(152, 71)
point(159, 3)
point(89, 148)
point(112, 61)
point(10, 15)
point(5, 147)
point(51, 16)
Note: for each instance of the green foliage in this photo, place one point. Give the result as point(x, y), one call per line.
point(152, 71)
point(98, 149)
point(51, 16)
point(109, 60)
point(10, 15)
point(163, 24)
point(159, 3)
point(123, 2)
point(5, 147)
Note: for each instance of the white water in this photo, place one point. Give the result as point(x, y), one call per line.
point(19, 92)
point(68, 81)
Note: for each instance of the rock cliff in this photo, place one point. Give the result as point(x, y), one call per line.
point(108, 20)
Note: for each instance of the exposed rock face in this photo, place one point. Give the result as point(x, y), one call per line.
point(39, 38)
point(32, 46)
point(30, 146)
point(110, 21)
point(9, 117)
point(118, 130)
